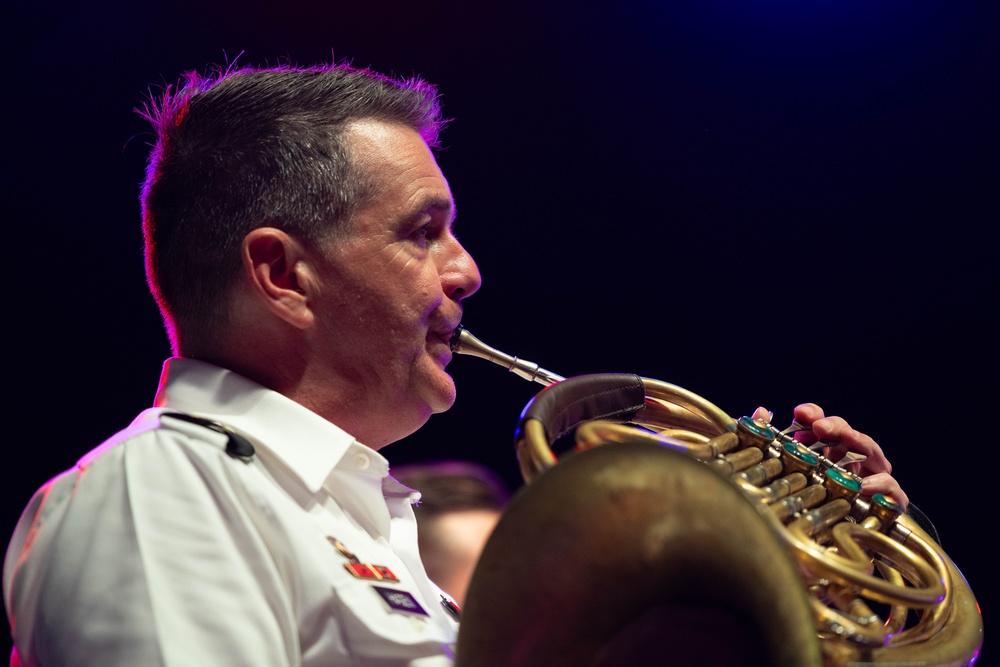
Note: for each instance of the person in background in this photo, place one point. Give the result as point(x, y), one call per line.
point(460, 504)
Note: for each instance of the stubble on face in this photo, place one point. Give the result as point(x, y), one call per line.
point(383, 317)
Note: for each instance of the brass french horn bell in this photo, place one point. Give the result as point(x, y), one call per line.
point(700, 539)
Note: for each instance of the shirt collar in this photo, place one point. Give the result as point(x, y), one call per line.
point(307, 444)
point(393, 488)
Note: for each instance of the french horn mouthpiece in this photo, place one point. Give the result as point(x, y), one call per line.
point(463, 342)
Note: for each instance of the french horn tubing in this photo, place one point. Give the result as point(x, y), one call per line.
point(727, 520)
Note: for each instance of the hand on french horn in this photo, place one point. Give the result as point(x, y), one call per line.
point(841, 441)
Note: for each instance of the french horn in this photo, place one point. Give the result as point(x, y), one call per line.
point(698, 539)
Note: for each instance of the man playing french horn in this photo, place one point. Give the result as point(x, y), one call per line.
point(300, 245)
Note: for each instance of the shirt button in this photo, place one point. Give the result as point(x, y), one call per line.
point(362, 461)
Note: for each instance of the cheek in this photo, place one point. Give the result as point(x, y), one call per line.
point(398, 294)
point(421, 288)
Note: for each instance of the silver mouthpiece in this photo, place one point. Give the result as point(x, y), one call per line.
point(463, 342)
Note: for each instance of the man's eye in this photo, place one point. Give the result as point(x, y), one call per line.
point(422, 235)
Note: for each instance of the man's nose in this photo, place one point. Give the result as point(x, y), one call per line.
point(460, 275)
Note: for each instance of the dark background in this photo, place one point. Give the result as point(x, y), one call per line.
point(765, 202)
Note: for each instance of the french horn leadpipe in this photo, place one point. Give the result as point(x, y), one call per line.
point(463, 342)
point(847, 556)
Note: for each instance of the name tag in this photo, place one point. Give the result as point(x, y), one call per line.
point(400, 601)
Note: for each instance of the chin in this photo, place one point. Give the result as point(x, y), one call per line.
point(441, 395)
point(443, 404)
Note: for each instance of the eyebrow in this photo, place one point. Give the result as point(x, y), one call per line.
point(440, 204)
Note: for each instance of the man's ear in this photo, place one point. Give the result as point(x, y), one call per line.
point(273, 262)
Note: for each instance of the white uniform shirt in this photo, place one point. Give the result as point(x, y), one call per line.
point(159, 548)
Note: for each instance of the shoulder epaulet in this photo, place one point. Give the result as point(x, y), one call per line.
point(237, 446)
